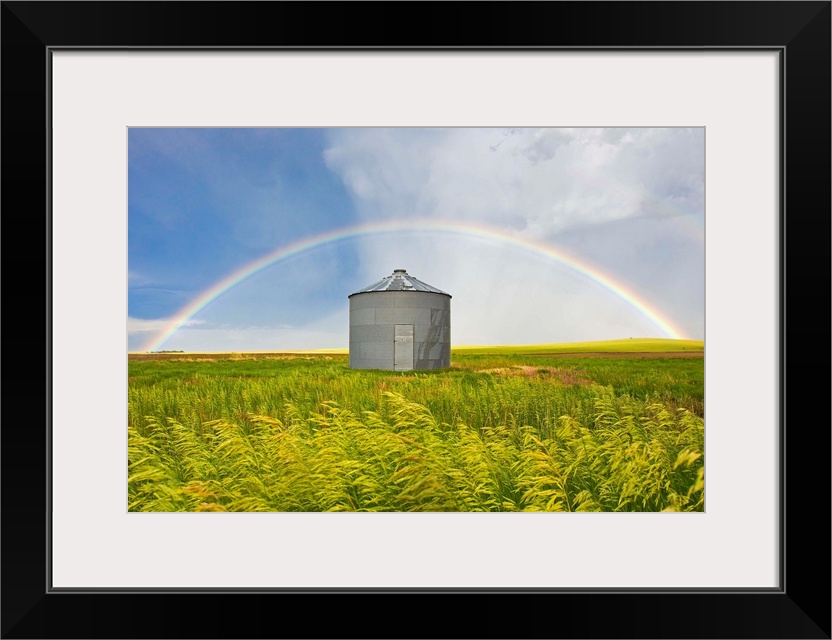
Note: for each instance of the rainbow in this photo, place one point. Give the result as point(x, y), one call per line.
point(480, 231)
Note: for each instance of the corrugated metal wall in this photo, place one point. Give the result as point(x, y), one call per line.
point(374, 318)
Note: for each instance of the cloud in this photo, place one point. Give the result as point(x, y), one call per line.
point(327, 332)
point(629, 202)
point(636, 193)
point(539, 181)
point(141, 325)
point(140, 330)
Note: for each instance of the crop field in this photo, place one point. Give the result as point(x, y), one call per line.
point(606, 427)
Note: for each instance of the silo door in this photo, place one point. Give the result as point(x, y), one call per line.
point(403, 353)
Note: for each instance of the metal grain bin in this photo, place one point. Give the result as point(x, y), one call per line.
point(400, 324)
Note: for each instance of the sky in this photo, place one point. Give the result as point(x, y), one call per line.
point(253, 239)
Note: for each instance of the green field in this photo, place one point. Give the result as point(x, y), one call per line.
point(631, 345)
point(532, 428)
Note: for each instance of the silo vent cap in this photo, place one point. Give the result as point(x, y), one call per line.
point(400, 280)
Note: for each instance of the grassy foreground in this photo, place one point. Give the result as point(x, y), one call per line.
point(496, 432)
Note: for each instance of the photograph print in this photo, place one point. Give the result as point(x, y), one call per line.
point(416, 319)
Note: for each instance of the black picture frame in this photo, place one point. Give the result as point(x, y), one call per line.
point(799, 608)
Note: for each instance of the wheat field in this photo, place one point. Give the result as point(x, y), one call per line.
point(496, 432)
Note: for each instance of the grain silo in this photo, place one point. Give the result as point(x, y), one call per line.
point(400, 323)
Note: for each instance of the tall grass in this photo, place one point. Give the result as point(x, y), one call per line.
point(312, 435)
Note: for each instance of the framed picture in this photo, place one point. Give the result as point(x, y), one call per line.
point(77, 77)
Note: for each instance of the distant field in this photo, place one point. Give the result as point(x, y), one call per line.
point(589, 428)
point(631, 345)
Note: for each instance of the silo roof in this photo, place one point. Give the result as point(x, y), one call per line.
point(400, 280)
